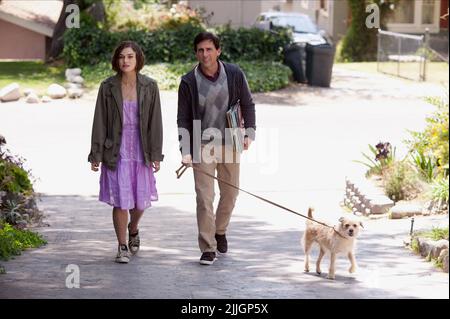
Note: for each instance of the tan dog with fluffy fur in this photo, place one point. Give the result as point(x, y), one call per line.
point(330, 241)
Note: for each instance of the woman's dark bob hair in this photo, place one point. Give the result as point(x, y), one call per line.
point(140, 58)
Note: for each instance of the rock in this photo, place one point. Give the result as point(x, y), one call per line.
point(32, 98)
point(405, 210)
point(28, 91)
point(46, 99)
point(380, 204)
point(56, 91)
point(438, 247)
point(70, 85)
point(10, 93)
point(425, 247)
point(75, 93)
point(78, 79)
point(72, 72)
point(443, 258)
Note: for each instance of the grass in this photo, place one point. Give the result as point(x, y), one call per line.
point(262, 76)
point(35, 75)
point(435, 233)
point(437, 72)
point(38, 75)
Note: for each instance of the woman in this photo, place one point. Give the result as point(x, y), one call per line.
point(127, 140)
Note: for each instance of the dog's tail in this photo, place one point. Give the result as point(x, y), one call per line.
point(310, 211)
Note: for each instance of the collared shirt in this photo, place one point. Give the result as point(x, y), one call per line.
point(211, 78)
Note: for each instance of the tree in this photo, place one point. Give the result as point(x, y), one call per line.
point(360, 42)
point(93, 8)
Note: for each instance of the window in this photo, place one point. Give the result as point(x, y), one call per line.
point(415, 16)
point(404, 12)
point(428, 11)
point(305, 4)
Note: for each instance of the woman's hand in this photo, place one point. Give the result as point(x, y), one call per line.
point(94, 166)
point(156, 165)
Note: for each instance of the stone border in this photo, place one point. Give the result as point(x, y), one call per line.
point(431, 249)
point(364, 198)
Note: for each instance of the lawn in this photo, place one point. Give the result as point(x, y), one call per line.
point(437, 72)
point(34, 75)
point(263, 76)
point(38, 75)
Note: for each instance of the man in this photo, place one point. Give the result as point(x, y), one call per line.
point(205, 95)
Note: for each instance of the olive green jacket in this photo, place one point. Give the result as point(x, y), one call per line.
point(108, 119)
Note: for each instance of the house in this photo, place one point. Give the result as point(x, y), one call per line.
point(333, 16)
point(26, 28)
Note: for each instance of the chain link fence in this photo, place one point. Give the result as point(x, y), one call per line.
point(402, 55)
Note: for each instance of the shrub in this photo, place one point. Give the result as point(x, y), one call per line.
point(13, 241)
point(433, 141)
point(264, 76)
point(251, 44)
point(383, 156)
point(13, 177)
point(172, 42)
point(425, 165)
point(17, 197)
point(401, 182)
point(88, 45)
point(168, 74)
point(439, 190)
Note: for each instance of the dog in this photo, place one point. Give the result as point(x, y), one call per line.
point(340, 239)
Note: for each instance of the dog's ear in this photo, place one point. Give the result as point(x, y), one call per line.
point(361, 224)
point(341, 219)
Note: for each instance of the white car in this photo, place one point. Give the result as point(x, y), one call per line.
point(303, 28)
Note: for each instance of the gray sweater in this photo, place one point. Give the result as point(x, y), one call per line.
point(189, 107)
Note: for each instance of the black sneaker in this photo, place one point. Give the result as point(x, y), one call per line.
point(208, 258)
point(222, 244)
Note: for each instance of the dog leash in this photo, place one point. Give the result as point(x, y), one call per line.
point(183, 168)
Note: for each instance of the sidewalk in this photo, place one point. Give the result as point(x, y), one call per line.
point(306, 141)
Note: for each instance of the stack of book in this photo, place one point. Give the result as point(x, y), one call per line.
point(236, 127)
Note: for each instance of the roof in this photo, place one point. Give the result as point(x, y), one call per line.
point(39, 16)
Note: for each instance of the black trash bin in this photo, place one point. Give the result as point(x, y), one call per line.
point(294, 58)
point(319, 64)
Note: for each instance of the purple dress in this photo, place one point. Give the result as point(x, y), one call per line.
point(132, 184)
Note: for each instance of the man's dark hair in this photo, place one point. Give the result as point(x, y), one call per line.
point(140, 58)
point(202, 36)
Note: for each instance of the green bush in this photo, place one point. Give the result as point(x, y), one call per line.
point(265, 76)
point(250, 44)
point(401, 182)
point(439, 190)
point(433, 141)
point(172, 42)
point(168, 74)
point(88, 45)
point(13, 241)
point(13, 178)
point(425, 165)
